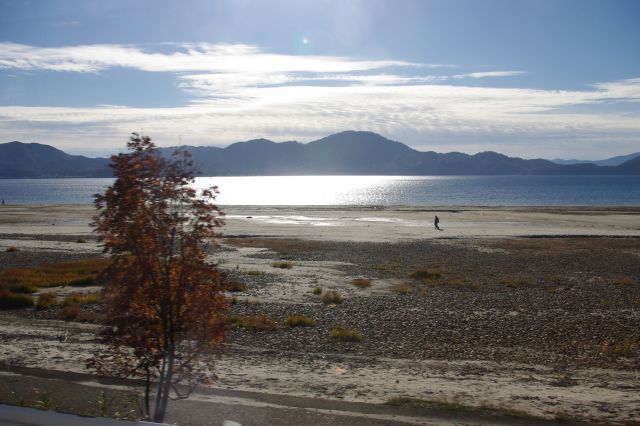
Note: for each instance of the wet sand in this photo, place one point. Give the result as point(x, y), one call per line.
point(376, 224)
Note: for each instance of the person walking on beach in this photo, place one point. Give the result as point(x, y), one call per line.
point(436, 221)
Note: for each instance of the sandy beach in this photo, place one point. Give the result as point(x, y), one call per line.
point(532, 310)
point(375, 223)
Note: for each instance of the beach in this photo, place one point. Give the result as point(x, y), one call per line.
point(532, 311)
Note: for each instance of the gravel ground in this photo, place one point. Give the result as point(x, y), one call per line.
point(553, 301)
point(558, 302)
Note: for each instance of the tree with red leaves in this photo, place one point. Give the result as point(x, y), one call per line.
point(163, 300)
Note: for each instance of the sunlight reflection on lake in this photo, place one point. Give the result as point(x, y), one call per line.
point(315, 190)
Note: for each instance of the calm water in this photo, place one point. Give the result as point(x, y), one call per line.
point(365, 190)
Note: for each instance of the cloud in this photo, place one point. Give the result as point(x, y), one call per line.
point(489, 74)
point(620, 90)
point(240, 92)
point(181, 57)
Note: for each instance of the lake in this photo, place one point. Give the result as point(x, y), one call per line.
point(524, 190)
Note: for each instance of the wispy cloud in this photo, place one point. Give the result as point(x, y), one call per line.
point(177, 57)
point(486, 74)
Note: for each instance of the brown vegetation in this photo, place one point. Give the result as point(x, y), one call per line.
point(235, 286)
point(345, 334)
point(253, 323)
point(163, 300)
point(10, 300)
point(46, 301)
point(425, 274)
point(282, 265)
point(76, 273)
point(361, 282)
point(299, 321)
point(331, 297)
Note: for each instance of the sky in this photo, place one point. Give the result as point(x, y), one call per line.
point(534, 79)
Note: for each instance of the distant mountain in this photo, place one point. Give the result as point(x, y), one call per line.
point(613, 161)
point(345, 153)
point(364, 153)
point(349, 153)
point(630, 167)
point(19, 160)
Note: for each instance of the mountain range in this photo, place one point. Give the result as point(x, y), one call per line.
point(613, 161)
point(345, 153)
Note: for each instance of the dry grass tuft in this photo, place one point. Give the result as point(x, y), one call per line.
point(70, 313)
point(299, 321)
point(392, 266)
point(401, 288)
point(46, 301)
point(624, 282)
point(361, 282)
point(282, 264)
point(425, 274)
point(81, 299)
point(252, 273)
point(345, 334)
point(627, 347)
point(331, 297)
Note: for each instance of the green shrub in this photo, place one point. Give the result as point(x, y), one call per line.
point(317, 290)
point(299, 321)
point(10, 300)
point(46, 301)
point(345, 334)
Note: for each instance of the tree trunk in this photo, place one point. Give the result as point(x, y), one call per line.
point(147, 391)
point(158, 414)
point(164, 387)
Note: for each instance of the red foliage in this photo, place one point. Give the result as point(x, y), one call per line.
point(164, 300)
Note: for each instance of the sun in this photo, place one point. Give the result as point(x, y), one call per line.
point(305, 40)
